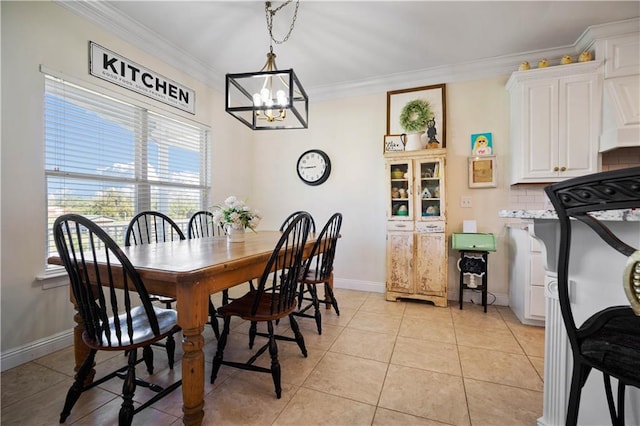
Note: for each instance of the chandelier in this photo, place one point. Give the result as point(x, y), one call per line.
point(268, 99)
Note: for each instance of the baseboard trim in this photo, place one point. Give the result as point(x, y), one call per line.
point(372, 286)
point(39, 348)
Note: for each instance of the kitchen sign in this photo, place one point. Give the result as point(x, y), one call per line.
point(112, 67)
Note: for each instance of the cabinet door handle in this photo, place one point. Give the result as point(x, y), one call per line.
point(563, 168)
point(556, 168)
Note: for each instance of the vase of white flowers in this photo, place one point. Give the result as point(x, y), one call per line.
point(235, 217)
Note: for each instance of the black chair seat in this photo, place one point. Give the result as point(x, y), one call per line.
point(615, 346)
point(242, 307)
point(141, 331)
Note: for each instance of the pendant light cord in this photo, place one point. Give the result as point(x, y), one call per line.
point(271, 13)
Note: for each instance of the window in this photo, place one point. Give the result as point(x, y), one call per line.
point(107, 159)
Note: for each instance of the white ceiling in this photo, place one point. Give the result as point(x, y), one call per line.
point(340, 45)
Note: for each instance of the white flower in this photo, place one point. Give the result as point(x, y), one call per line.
point(236, 214)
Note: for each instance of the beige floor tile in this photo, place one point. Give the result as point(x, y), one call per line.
point(364, 344)
point(531, 338)
point(507, 315)
point(538, 364)
point(427, 329)
point(426, 355)
point(247, 398)
point(426, 310)
point(348, 377)
point(63, 360)
point(499, 367)
point(329, 317)
point(44, 407)
point(386, 324)
point(425, 394)
point(108, 415)
point(323, 341)
point(493, 404)
point(499, 340)
point(351, 299)
point(474, 316)
point(377, 304)
point(29, 379)
point(294, 366)
point(386, 417)
point(309, 407)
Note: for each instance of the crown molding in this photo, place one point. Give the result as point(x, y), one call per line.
point(474, 70)
point(612, 29)
point(144, 39)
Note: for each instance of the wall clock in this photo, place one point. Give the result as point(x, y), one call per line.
point(314, 167)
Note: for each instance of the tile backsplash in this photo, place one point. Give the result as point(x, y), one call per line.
point(532, 196)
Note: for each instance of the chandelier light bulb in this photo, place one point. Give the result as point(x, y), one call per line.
point(282, 98)
point(265, 94)
point(257, 100)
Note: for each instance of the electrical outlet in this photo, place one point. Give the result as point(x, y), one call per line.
point(466, 202)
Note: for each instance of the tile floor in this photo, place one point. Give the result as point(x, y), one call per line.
point(378, 363)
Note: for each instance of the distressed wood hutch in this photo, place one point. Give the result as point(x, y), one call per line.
point(416, 226)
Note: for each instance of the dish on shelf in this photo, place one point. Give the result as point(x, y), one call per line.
point(397, 174)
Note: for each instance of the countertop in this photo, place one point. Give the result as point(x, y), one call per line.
point(627, 215)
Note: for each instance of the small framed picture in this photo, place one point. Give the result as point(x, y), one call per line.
point(481, 144)
point(394, 143)
point(483, 172)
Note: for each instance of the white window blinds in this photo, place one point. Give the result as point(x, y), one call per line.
point(108, 160)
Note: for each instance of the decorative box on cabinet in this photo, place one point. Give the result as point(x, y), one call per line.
point(555, 122)
point(416, 213)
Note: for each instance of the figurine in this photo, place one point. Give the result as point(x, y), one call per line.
point(431, 133)
point(566, 59)
point(584, 56)
point(524, 66)
point(543, 63)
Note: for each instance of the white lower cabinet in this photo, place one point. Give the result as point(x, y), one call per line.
point(526, 276)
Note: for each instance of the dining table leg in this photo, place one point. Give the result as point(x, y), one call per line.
point(192, 306)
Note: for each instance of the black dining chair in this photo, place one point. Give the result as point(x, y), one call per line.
point(201, 225)
point(295, 214)
point(273, 299)
point(152, 227)
point(609, 340)
point(318, 270)
point(115, 308)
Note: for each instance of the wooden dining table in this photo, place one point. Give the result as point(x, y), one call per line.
point(190, 271)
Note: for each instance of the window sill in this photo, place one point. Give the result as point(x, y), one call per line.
point(53, 277)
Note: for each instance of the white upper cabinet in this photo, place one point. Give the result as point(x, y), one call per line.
point(555, 122)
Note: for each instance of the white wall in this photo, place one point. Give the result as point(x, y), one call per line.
point(259, 166)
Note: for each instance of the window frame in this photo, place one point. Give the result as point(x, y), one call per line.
point(141, 183)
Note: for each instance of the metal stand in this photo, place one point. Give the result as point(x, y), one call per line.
point(474, 264)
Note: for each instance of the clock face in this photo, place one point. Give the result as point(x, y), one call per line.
point(314, 167)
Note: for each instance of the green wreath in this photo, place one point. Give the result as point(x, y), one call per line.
point(415, 115)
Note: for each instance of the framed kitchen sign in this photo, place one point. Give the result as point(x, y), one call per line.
point(435, 96)
point(394, 143)
point(483, 172)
